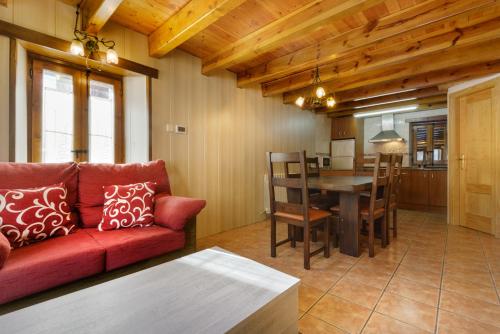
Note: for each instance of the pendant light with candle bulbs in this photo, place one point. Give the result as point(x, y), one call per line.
point(319, 98)
point(87, 45)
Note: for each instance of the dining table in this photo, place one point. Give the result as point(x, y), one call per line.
point(349, 189)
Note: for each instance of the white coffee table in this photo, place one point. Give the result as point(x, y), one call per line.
point(212, 291)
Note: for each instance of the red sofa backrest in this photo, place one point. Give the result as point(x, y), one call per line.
point(94, 176)
point(33, 175)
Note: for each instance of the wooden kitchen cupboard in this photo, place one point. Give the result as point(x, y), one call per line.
point(423, 190)
point(344, 128)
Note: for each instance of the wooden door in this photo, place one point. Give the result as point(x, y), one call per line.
point(438, 188)
point(419, 184)
point(477, 166)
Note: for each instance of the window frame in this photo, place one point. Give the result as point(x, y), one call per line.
point(81, 84)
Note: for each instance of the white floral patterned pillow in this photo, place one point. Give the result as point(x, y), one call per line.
point(128, 206)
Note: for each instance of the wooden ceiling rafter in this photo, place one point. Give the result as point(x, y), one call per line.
point(434, 102)
point(97, 12)
point(408, 25)
point(385, 99)
point(429, 79)
point(367, 60)
point(306, 19)
point(191, 19)
point(456, 57)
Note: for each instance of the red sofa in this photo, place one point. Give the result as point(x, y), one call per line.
point(56, 261)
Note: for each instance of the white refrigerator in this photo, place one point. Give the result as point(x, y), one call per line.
point(343, 153)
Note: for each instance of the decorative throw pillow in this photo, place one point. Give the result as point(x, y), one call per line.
point(29, 215)
point(128, 206)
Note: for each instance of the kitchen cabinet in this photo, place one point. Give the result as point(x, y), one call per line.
point(424, 190)
point(343, 128)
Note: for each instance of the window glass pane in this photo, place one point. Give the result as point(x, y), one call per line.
point(57, 117)
point(101, 122)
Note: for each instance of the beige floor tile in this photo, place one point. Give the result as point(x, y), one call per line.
point(469, 289)
point(369, 277)
point(311, 325)
point(414, 290)
point(341, 313)
point(450, 323)
point(419, 275)
point(470, 307)
point(356, 292)
point(477, 277)
point(381, 324)
point(308, 295)
point(409, 311)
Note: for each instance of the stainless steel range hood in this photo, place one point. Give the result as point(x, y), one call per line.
point(388, 133)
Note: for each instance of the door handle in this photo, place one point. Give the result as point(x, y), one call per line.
point(462, 162)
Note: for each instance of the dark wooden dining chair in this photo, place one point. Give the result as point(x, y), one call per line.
point(317, 199)
point(295, 214)
point(373, 204)
point(376, 208)
point(392, 203)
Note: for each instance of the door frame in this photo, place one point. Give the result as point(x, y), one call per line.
point(454, 151)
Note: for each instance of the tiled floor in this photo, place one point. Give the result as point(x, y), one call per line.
point(434, 278)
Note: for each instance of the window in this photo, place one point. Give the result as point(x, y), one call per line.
point(75, 115)
point(429, 143)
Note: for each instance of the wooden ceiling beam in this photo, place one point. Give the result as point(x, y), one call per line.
point(435, 102)
point(97, 12)
point(409, 25)
point(194, 17)
point(404, 53)
point(299, 22)
point(434, 78)
point(381, 101)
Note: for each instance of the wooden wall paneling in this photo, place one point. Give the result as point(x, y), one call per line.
point(419, 24)
point(49, 41)
point(12, 98)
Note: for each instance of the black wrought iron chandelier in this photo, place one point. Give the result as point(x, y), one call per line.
point(86, 45)
point(318, 96)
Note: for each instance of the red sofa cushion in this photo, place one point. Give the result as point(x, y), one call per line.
point(30, 215)
point(34, 175)
point(93, 177)
point(130, 245)
point(128, 206)
point(174, 211)
point(50, 263)
point(4, 249)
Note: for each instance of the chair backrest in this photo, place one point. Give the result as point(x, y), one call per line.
point(359, 166)
point(395, 177)
point(380, 184)
point(312, 167)
point(296, 182)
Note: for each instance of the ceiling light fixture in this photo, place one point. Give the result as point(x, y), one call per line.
point(318, 96)
point(384, 103)
point(87, 44)
point(380, 95)
point(385, 111)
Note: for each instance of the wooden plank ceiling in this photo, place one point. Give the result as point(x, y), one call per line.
point(369, 52)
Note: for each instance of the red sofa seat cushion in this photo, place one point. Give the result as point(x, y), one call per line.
point(131, 245)
point(93, 177)
point(50, 263)
point(174, 211)
point(4, 249)
point(31, 215)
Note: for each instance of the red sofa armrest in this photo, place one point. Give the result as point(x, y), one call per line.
point(4, 249)
point(174, 211)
